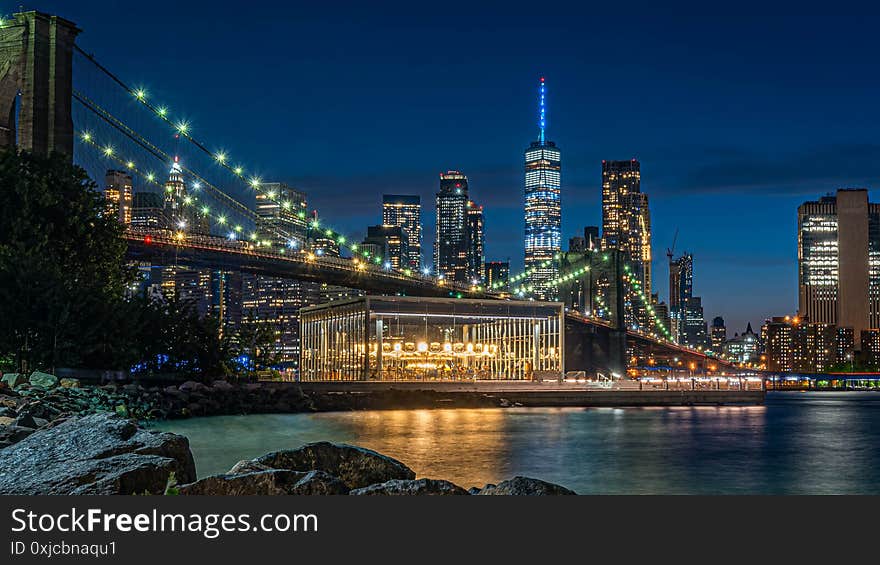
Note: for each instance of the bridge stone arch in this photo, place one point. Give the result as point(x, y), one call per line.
point(36, 67)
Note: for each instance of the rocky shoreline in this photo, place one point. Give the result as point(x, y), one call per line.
point(60, 437)
point(106, 454)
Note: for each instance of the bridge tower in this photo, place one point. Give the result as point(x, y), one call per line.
point(600, 287)
point(36, 83)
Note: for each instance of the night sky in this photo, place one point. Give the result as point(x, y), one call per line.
point(736, 116)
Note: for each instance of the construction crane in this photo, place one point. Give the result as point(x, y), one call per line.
point(671, 250)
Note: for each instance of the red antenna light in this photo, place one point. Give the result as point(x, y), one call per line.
point(148, 239)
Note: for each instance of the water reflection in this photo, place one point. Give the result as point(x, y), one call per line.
point(812, 443)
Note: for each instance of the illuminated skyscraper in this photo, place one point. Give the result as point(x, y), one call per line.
point(175, 193)
point(626, 219)
point(391, 243)
point(281, 215)
point(543, 214)
point(451, 240)
point(405, 211)
point(118, 194)
point(476, 243)
point(839, 261)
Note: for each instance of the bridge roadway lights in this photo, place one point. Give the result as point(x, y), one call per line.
point(216, 253)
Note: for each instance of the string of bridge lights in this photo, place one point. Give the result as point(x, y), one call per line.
point(110, 153)
point(183, 129)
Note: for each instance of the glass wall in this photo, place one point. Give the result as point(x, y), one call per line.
point(409, 338)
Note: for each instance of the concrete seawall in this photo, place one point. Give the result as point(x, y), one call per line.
point(405, 395)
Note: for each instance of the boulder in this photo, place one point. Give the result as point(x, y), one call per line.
point(355, 466)
point(15, 379)
point(13, 434)
point(410, 487)
point(271, 482)
point(44, 380)
point(247, 466)
point(191, 386)
point(222, 385)
point(6, 420)
point(96, 454)
point(525, 486)
point(70, 383)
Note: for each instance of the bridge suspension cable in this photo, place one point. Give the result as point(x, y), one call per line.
point(182, 128)
point(158, 153)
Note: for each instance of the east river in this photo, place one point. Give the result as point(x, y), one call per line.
point(810, 443)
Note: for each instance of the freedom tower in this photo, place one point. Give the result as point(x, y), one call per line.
point(543, 232)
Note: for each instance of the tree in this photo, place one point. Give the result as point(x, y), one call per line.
point(62, 269)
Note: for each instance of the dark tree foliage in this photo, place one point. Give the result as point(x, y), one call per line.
point(65, 290)
point(62, 273)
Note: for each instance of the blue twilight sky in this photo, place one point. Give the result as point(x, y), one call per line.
point(737, 113)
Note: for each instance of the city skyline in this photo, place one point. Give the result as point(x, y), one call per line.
point(765, 145)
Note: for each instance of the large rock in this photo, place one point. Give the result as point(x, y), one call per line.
point(44, 380)
point(356, 466)
point(13, 434)
point(70, 383)
point(15, 379)
point(525, 486)
point(271, 482)
point(97, 454)
point(247, 466)
point(409, 488)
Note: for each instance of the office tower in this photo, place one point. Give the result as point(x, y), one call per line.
point(118, 194)
point(270, 305)
point(281, 215)
point(718, 335)
point(391, 243)
point(778, 344)
point(694, 330)
point(148, 211)
point(626, 219)
point(451, 238)
point(405, 211)
point(497, 275)
point(476, 257)
point(543, 212)
point(681, 287)
point(175, 194)
point(839, 261)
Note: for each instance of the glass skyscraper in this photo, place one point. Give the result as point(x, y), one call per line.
point(451, 241)
point(406, 211)
point(543, 214)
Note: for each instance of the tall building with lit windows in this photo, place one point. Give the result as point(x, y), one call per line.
point(543, 211)
point(839, 261)
point(118, 194)
point(476, 243)
point(405, 211)
point(451, 237)
point(282, 215)
point(626, 218)
point(175, 193)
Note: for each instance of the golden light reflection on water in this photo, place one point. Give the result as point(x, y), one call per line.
point(465, 446)
point(818, 444)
